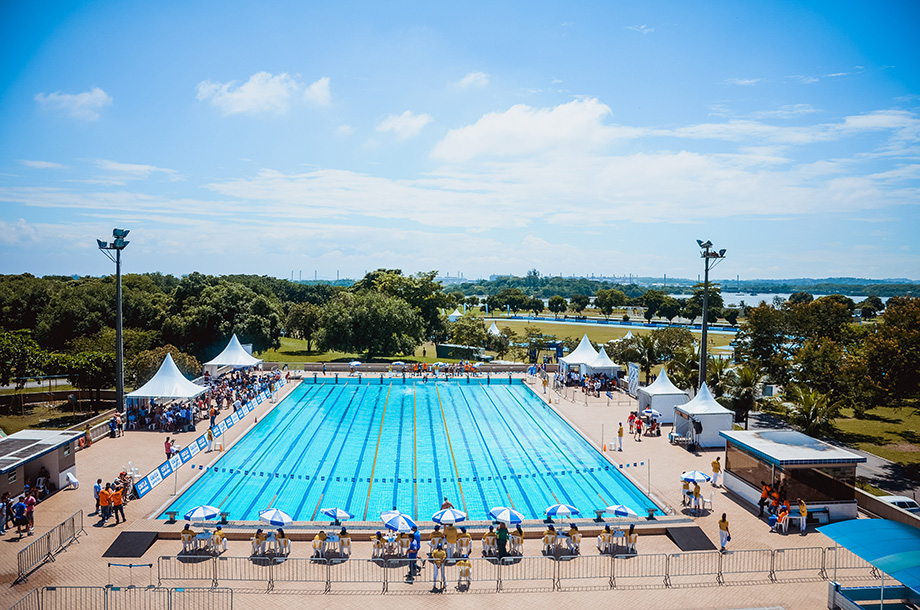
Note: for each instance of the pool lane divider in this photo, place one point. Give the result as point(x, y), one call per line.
point(370, 480)
point(414, 459)
point(318, 502)
point(451, 447)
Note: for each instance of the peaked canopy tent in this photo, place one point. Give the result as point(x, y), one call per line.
point(580, 356)
point(169, 382)
point(456, 315)
point(602, 364)
point(663, 396)
point(234, 355)
point(702, 419)
point(493, 330)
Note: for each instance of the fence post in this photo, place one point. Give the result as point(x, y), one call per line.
point(214, 572)
point(613, 579)
point(823, 573)
point(667, 571)
point(719, 578)
point(773, 565)
point(498, 578)
point(385, 583)
point(271, 577)
point(556, 576)
point(328, 577)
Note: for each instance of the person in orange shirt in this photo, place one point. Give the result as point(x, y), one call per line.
point(764, 496)
point(118, 504)
point(105, 502)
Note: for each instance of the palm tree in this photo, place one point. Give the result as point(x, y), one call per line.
point(810, 410)
point(684, 368)
point(717, 373)
point(744, 385)
point(643, 350)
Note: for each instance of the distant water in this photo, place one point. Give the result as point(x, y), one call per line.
point(733, 299)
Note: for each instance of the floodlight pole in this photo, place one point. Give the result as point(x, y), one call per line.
point(117, 245)
point(708, 255)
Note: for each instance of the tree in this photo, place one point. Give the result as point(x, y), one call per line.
point(303, 321)
point(643, 350)
point(892, 355)
point(371, 323)
point(744, 385)
point(20, 357)
point(92, 371)
point(536, 305)
point(718, 371)
point(824, 317)
point(557, 305)
point(608, 300)
point(468, 330)
point(579, 302)
point(144, 365)
point(501, 343)
point(652, 300)
point(672, 340)
point(731, 315)
point(531, 343)
point(870, 307)
point(810, 410)
point(669, 308)
point(763, 338)
point(684, 368)
point(420, 291)
point(798, 298)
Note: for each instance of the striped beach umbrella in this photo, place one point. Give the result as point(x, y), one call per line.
point(620, 510)
point(202, 512)
point(275, 517)
point(561, 510)
point(448, 515)
point(695, 476)
point(397, 521)
point(506, 515)
point(337, 514)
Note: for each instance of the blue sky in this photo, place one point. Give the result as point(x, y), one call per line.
point(575, 138)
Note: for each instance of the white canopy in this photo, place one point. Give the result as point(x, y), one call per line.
point(602, 364)
point(628, 335)
point(581, 355)
point(702, 419)
point(455, 316)
point(663, 396)
point(493, 330)
point(169, 382)
point(233, 355)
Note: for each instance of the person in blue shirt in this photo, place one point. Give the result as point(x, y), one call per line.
point(19, 517)
point(412, 556)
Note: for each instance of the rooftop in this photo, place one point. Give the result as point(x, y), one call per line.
point(788, 447)
point(26, 445)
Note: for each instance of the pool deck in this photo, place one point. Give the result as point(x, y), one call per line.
point(82, 564)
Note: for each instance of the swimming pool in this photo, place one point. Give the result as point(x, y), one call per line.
point(371, 446)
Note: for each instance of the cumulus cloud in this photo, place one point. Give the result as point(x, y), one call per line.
point(42, 164)
point(642, 29)
point(405, 125)
point(318, 92)
point(85, 106)
point(522, 130)
point(474, 80)
point(263, 92)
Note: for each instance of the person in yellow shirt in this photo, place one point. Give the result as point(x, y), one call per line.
point(319, 544)
point(258, 542)
point(488, 542)
point(450, 537)
point(465, 569)
point(803, 510)
point(219, 540)
point(435, 538)
point(696, 498)
point(464, 541)
point(620, 437)
point(685, 493)
point(716, 472)
point(438, 559)
point(187, 530)
point(724, 534)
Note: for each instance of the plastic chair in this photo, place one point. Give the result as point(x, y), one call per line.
point(549, 542)
point(403, 544)
point(488, 545)
point(465, 576)
point(345, 547)
point(604, 541)
point(72, 481)
point(378, 548)
point(465, 546)
point(319, 548)
point(517, 544)
point(258, 546)
point(218, 543)
point(284, 546)
point(574, 543)
point(188, 543)
point(631, 541)
point(708, 501)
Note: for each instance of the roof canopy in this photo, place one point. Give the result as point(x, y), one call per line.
point(493, 330)
point(26, 445)
point(602, 362)
point(233, 355)
point(169, 382)
point(703, 404)
point(892, 547)
point(782, 447)
point(583, 354)
point(662, 386)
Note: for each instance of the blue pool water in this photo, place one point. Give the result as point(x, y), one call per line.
point(369, 447)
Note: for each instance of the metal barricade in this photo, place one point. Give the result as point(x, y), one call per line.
point(841, 563)
point(640, 569)
point(245, 569)
point(36, 553)
point(805, 559)
point(186, 569)
point(136, 598)
point(754, 561)
point(201, 599)
point(694, 565)
point(31, 601)
point(69, 598)
point(527, 574)
point(301, 571)
point(588, 572)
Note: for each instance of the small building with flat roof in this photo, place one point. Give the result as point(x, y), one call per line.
point(821, 474)
point(24, 453)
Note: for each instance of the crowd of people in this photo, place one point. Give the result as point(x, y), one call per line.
point(111, 498)
point(592, 384)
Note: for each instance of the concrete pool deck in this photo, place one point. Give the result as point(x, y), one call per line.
point(82, 565)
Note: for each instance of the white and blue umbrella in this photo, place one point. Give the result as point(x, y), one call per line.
point(202, 512)
point(620, 510)
point(397, 521)
point(439, 363)
point(354, 363)
point(448, 515)
point(275, 517)
point(506, 515)
point(695, 476)
point(398, 363)
point(651, 413)
point(561, 510)
point(337, 513)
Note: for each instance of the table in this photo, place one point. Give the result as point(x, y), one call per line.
point(391, 548)
point(797, 517)
point(332, 543)
point(203, 539)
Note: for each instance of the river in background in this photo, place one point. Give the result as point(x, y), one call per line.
point(733, 299)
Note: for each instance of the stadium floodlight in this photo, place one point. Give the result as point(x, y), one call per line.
point(710, 258)
point(117, 246)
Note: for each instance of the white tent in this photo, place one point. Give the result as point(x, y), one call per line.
point(169, 382)
point(625, 337)
point(455, 316)
point(702, 419)
point(580, 356)
point(602, 364)
point(493, 330)
point(233, 355)
point(663, 396)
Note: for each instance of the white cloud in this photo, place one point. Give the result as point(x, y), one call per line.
point(42, 164)
point(263, 92)
point(744, 82)
point(85, 106)
point(405, 125)
point(133, 171)
point(805, 80)
point(642, 29)
point(345, 130)
point(788, 111)
point(523, 130)
point(474, 80)
point(318, 92)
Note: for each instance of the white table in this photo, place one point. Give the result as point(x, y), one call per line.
point(797, 517)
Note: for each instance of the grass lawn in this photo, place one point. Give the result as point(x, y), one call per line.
point(886, 432)
point(295, 351)
point(35, 389)
point(44, 415)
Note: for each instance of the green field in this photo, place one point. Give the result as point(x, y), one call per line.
point(295, 351)
point(893, 434)
point(596, 332)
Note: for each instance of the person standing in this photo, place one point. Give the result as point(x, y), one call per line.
point(638, 436)
point(19, 517)
point(446, 504)
point(620, 437)
point(764, 496)
point(502, 541)
point(118, 504)
point(31, 501)
point(96, 489)
point(412, 556)
point(724, 534)
point(438, 558)
point(105, 502)
point(210, 438)
point(716, 471)
point(167, 446)
point(696, 498)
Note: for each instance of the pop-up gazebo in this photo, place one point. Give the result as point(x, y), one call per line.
point(702, 419)
point(456, 315)
point(234, 355)
point(169, 382)
point(663, 396)
point(580, 356)
point(602, 364)
point(493, 330)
